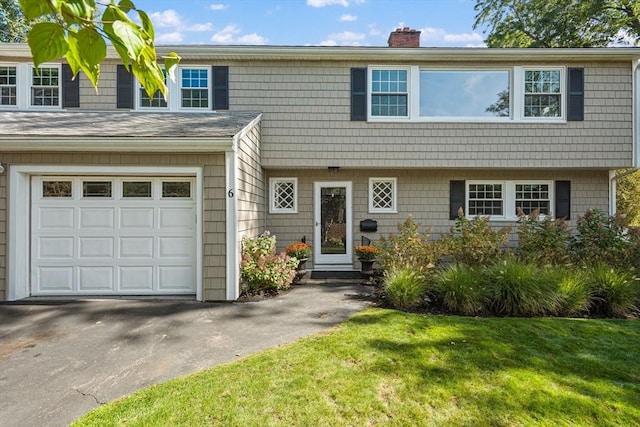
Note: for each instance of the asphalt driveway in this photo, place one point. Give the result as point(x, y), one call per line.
point(58, 360)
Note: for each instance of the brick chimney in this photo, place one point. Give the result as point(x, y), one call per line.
point(404, 37)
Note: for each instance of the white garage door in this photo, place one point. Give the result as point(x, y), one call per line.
point(113, 235)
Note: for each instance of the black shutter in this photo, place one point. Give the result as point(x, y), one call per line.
point(563, 199)
point(220, 88)
point(457, 193)
point(575, 101)
point(124, 88)
point(358, 94)
point(70, 88)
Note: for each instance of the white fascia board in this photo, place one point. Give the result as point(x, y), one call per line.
point(119, 145)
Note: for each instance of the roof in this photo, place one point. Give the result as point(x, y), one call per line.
point(377, 53)
point(123, 124)
point(160, 132)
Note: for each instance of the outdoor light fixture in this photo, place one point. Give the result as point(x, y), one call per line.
point(334, 169)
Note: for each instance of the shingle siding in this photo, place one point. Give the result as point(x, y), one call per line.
point(251, 185)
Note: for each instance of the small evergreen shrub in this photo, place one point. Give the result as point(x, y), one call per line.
point(474, 242)
point(517, 288)
point(408, 249)
point(543, 241)
point(615, 292)
point(459, 289)
point(404, 288)
point(261, 269)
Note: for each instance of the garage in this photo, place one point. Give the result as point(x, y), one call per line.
point(113, 235)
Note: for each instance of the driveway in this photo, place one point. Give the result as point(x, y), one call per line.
point(59, 360)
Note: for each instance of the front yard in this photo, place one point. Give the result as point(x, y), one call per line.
point(385, 367)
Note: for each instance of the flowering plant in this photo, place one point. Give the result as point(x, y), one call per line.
point(299, 250)
point(261, 268)
point(366, 252)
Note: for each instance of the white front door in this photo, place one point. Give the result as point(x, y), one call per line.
point(333, 225)
point(113, 235)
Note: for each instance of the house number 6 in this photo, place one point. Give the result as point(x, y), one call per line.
point(230, 193)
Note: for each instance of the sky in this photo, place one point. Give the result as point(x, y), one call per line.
point(444, 23)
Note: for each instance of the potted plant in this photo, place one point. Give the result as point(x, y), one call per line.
point(367, 256)
point(302, 252)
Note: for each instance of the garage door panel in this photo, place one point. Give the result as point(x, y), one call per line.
point(136, 278)
point(54, 218)
point(182, 218)
point(96, 247)
point(136, 247)
point(95, 278)
point(55, 279)
point(54, 247)
point(136, 218)
point(96, 218)
point(141, 241)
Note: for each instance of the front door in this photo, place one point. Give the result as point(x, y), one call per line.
point(333, 219)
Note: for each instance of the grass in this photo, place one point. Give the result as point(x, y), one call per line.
point(385, 367)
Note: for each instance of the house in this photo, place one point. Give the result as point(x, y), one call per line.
point(119, 193)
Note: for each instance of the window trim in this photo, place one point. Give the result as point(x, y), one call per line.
point(17, 85)
point(179, 87)
point(174, 92)
point(394, 196)
point(30, 87)
point(138, 96)
point(509, 197)
point(272, 185)
point(516, 96)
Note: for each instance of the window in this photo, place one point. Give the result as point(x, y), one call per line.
point(465, 93)
point(155, 101)
point(96, 189)
point(382, 195)
point(389, 93)
point(176, 189)
point(194, 87)
point(504, 199)
point(542, 93)
point(139, 189)
point(425, 94)
point(8, 85)
point(283, 192)
point(45, 86)
point(57, 189)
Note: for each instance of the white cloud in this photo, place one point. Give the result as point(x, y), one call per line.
point(166, 18)
point(348, 18)
point(346, 38)
point(231, 35)
point(174, 37)
point(218, 6)
point(623, 39)
point(200, 27)
point(323, 3)
point(440, 36)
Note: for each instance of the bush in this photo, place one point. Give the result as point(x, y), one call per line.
point(603, 239)
point(543, 241)
point(261, 270)
point(459, 289)
point(404, 288)
point(517, 288)
point(474, 242)
point(409, 249)
point(575, 296)
point(615, 292)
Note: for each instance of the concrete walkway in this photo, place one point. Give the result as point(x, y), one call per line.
point(59, 360)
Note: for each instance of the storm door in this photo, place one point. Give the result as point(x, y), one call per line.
point(333, 219)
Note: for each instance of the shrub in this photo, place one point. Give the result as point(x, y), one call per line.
point(603, 239)
point(404, 288)
point(517, 288)
point(474, 242)
point(543, 241)
point(459, 289)
point(261, 270)
point(615, 292)
point(409, 249)
point(575, 296)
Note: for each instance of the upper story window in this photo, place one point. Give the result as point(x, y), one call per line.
point(502, 94)
point(45, 86)
point(8, 85)
point(194, 87)
point(389, 93)
point(155, 101)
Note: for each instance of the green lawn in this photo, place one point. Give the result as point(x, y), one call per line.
point(385, 367)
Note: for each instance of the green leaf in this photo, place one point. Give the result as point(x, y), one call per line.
point(130, 37)
point(146, 24)
point(77, 61)
point(47, 42)
point(126, 5)
point(171, 61)
point(91, 46)
point(34, 8)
